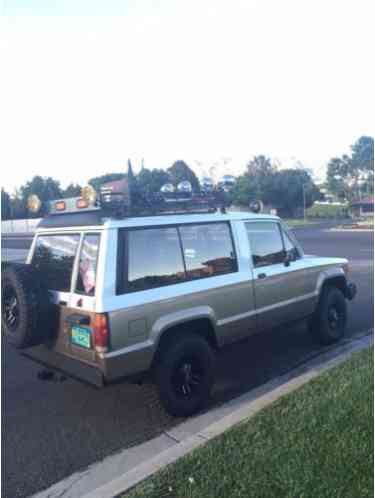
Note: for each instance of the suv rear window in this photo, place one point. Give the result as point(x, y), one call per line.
point(54, 258)
point(155, 257)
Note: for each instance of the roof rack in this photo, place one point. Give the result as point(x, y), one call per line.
point(126, 199)
point(116, 205)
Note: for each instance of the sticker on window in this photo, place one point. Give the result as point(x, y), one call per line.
point(88, 275)
point(87, 264)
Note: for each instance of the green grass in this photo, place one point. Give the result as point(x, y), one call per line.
point(326, 211)
point(297, 222)
point(315, 442)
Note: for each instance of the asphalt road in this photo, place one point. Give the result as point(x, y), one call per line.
point(51, 430)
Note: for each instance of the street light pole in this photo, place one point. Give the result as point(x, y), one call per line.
point(304, 202)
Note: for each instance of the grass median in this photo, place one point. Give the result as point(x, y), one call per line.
point(314, 442)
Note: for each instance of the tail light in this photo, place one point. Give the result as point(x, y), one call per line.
point(101, 332)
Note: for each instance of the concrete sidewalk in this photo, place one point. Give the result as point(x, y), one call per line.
point(120, 472)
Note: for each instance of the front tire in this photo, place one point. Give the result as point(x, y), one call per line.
point(185, 375)
point(329, 321)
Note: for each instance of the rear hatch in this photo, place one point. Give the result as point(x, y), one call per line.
point(67, 263)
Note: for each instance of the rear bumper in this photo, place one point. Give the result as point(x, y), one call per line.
point(128, 364)
point(69, 366)
point(350, 291)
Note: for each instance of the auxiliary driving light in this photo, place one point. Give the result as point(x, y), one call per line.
point(33, 203)
point(206, 184)
point(256, 206)
point(88, 193)
point(185, 187)
point(226, 182)
point(167, 188)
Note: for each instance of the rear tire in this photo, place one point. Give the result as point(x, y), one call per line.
point(184, 375)
point(26, 315)
point(328, 323)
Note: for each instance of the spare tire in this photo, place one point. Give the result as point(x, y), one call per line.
point(27, 314)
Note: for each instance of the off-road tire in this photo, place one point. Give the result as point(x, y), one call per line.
point(34, 319)
point(328, 323)
point(171, 370)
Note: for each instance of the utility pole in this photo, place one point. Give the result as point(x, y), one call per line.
point(304, 201)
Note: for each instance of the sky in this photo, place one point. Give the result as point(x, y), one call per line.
point(87, 84)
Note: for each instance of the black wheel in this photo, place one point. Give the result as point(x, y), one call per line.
point(185, 375)
point(329, 321)
point(26, 314)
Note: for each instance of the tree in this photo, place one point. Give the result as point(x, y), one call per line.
point(261, 174)
point(349, 176)
point(45, 188)
point(342, 177)
point(260, 166)
point(98, 181)
point(291, 190)
point(18, 209)
point(180, 171)
point(256, 183)
point(5, 205)
point(287, 189)
point(72, 190)
point(363, 160)
point(152, 180)
point(363, 154)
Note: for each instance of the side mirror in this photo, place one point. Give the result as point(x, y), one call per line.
point(288, 259)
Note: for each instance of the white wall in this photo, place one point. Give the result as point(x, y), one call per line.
point(19, 226)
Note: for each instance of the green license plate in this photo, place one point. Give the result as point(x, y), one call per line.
point(81, 337)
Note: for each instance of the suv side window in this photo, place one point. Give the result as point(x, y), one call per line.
point(154, 258)
point(208, 250)
point(266, 243)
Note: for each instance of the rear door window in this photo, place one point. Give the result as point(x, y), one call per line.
point(208, 250)
point(54, 259)
point(154, 258)
point(88, 260)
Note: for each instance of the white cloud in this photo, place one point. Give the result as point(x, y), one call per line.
point(79, 95)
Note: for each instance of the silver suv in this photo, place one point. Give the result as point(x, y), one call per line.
point(103, 299)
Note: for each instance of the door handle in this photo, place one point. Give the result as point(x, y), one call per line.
point(262, 275)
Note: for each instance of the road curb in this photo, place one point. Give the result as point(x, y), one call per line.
point(245, 406)
point(351, 230)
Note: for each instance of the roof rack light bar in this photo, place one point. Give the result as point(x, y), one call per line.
point(125, 198)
